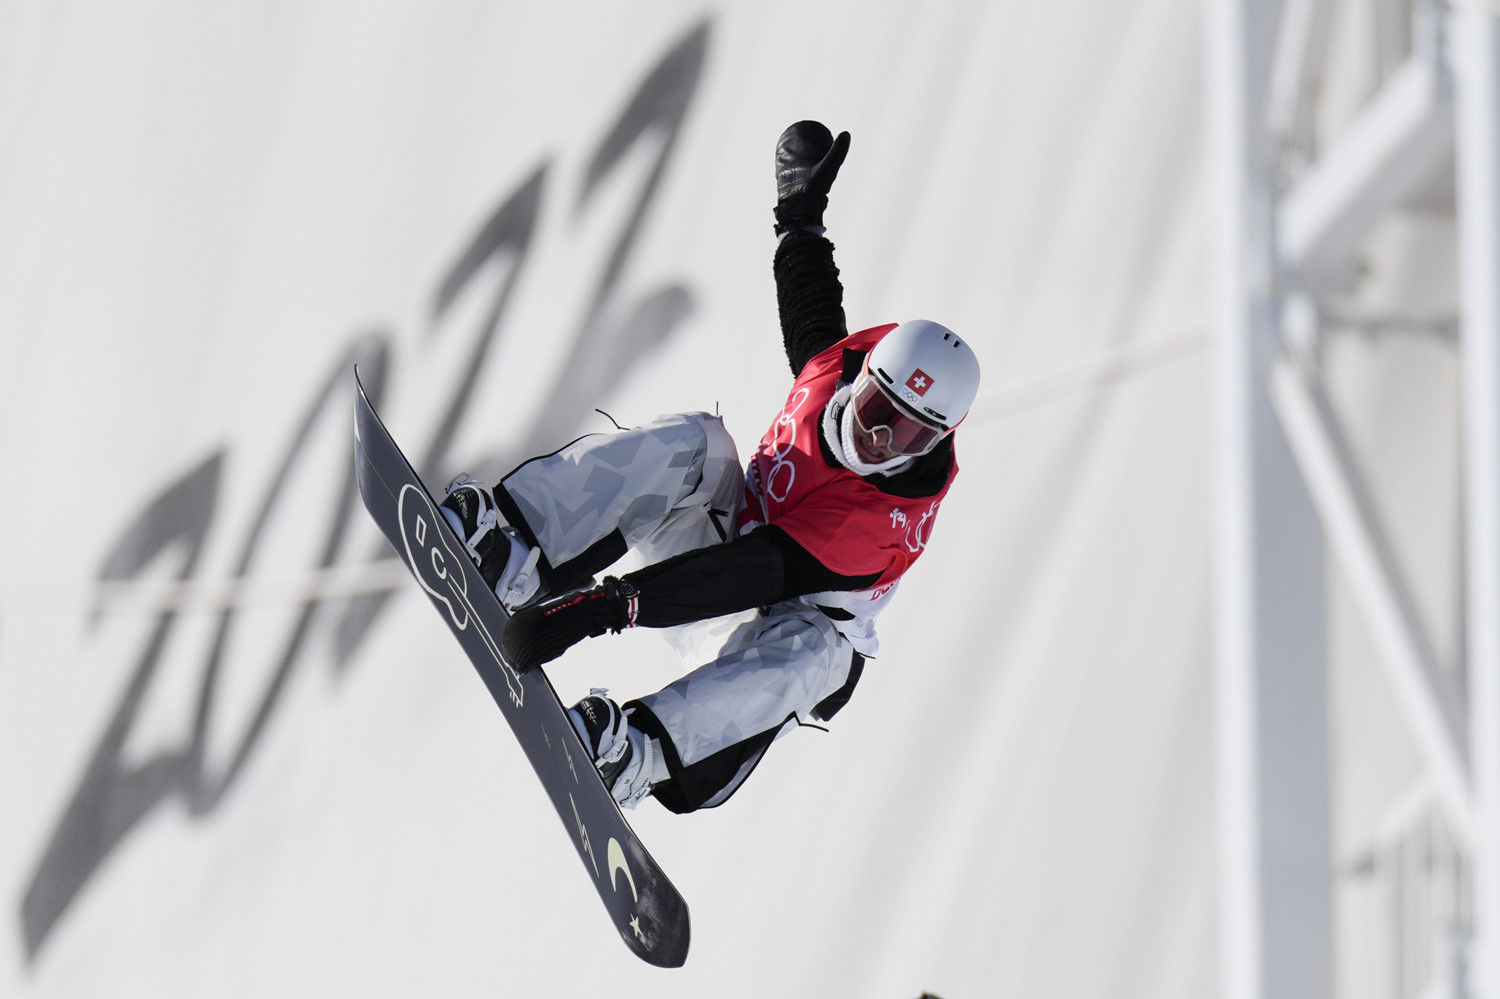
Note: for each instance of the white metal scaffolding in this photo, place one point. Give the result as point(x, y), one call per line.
point(1293, 220)
point(1476, 51)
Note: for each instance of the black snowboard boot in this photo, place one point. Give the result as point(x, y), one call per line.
point(471, 511)
point(605, 732)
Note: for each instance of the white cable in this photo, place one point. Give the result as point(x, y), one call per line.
point(198, 595)
point(1091, 372)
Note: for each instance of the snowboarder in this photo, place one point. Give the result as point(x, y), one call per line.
point(781, 568)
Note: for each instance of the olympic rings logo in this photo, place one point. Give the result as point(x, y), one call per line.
point(783, 472)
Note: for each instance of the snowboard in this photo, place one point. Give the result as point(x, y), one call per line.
point(646, 909)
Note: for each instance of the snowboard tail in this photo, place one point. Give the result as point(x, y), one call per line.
point(647, 910)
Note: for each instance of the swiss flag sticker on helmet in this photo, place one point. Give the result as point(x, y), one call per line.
point(919, 382)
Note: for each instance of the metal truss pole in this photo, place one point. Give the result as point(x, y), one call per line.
point(1275, 879)
point(1475, 40)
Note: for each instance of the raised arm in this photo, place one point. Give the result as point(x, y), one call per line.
point(809, 296)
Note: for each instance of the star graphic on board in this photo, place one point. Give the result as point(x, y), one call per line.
point(635, 924)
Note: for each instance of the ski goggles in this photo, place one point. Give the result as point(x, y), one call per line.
point(892, 427)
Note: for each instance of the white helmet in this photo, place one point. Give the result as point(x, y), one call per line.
point(917, 385)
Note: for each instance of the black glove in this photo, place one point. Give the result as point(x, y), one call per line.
point(808, 158)
point(542, 632)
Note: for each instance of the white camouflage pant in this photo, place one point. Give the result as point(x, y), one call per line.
point(661, 489)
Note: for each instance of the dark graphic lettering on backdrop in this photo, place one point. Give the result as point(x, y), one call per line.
point(617, 333)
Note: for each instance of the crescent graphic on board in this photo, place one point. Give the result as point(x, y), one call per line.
point(617, 862)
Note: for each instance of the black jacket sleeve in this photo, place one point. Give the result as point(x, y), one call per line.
point(753, 570)
point(809, 296)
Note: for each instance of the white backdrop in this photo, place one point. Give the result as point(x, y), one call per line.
point(208, 211)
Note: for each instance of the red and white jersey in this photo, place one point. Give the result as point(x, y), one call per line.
point(843, 520)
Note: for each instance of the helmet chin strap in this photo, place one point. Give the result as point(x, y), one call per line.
point(838, 430)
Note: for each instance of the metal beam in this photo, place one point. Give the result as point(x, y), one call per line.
point(1365, 556)
point(1275, 858)
point(1391, 149)
point(1296, 71)
point(1475, 36)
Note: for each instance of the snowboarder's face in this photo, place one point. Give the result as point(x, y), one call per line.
point(873, 446)
point(883, 429)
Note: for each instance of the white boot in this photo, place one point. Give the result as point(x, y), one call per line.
point(506, 562)
point(628, 760)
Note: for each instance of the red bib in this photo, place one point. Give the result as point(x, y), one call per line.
point(848, 524)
